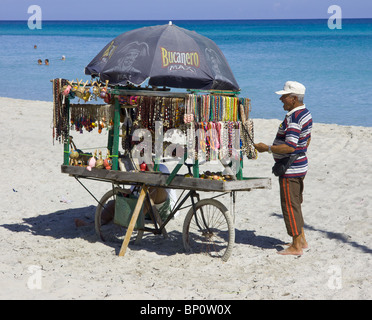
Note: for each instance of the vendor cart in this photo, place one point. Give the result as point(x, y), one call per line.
point(208, 226)
point(213, 120)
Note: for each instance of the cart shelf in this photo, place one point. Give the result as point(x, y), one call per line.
point(159, 179)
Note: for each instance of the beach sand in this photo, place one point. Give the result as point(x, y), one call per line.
point(45, 256)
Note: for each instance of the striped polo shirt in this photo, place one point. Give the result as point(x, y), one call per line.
point(295, 131)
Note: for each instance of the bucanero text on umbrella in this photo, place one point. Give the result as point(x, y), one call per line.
point(176, 57)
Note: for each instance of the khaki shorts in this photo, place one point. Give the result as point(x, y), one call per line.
point(291, 190)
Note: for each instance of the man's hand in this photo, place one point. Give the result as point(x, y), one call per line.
point(261, 147)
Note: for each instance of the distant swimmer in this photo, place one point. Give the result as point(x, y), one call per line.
point(35, 46)
point(39, 61)
point(47, 62)
point(63, 58)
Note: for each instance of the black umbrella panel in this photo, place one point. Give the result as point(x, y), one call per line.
point(167, 55)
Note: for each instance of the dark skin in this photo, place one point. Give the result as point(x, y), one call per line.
point(299, 242)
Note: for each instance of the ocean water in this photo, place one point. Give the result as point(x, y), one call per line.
point(334, 65)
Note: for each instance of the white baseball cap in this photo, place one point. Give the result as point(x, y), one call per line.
point(292, 87)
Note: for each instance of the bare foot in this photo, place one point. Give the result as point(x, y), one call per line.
point(304, 245)
point(291, 251)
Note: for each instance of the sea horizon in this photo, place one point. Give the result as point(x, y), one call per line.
point(334, 65)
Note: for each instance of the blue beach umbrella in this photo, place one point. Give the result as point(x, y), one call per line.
point(166, 55)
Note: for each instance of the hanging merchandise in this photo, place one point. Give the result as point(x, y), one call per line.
point(60, 113)
point(170, 111)
point(128, 101)
point(127, 131)
point(201, 108)
point(248, 140)
point(215, 126)
point(86, 91)
point(79, 90)
point(211, 123)
point(90, 116)
point(95, 89)
point(189, 107)
point(247, 134)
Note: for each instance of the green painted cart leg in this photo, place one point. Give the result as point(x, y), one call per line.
point(113, 143)
point(176, 169)
point(239, 174)
point(195, 169)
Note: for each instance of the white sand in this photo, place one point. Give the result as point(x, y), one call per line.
point(37, 227)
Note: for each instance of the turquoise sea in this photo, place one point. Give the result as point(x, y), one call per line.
point(335, 65)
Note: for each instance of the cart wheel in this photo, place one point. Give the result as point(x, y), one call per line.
point(106, 229)
point(210, 229)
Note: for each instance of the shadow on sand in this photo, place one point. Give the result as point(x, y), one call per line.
point(61, 225)
point(338, 236)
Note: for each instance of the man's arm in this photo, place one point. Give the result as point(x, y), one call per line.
point(280, 148)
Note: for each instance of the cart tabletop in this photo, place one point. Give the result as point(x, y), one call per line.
point(159, 179)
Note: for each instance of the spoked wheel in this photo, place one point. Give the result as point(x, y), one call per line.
point(106, 229)
point(209, 230)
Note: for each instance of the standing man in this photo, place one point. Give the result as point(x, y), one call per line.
point(293, 137)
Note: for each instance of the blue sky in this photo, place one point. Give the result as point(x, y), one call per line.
point(186, 9)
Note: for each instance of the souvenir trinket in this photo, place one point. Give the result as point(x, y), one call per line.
point(104, 90)
point(66, 90)
point(99, 162)
point(74, 156)
point(107, 163)
point(92, 162)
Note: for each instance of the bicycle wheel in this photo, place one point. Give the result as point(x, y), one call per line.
point(209, 230)
point(106, 229)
